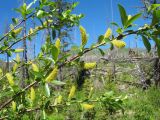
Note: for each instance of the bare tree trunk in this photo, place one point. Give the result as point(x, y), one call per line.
point(25, 74)
point(7, 56)
point(60, 70)
point(7, 64)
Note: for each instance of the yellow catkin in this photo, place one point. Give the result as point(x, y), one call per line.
point(1, 72)
point(108, 33)
point(58, 44)
point(11, 26)
point(32, 94)
point(46, 22)
point(87, 106)
point(119, 43)
point(38, 28)
point(72, 92)
point(35, 67)
point(17, 31)
point(90, 92)
point(15, 66)
point(83, 35)
point(18, 59)
point(59, 99)
point(129, 17)
point(18, 50)
point(52, 75)
point(31, 31)
point(10, 79)
point(89, 65)
point(14, 106)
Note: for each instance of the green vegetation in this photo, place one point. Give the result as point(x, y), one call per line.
point(36, 89)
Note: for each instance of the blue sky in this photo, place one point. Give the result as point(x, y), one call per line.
point(98, 16)
point(100, 13)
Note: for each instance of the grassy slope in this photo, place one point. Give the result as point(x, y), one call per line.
point(140, 105)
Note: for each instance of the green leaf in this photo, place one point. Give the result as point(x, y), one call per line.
point(43, 1)
point(101, 51)
point(40, 13)
point(18, 10)
point(9, 53)
point(54, 52)
point(100, 39)
point(107, 40)
point(47, 90)
point(44, 115)
point(153, 7)
point(146, 43)
point(111, 46)
point(123, 14)
point(119, 30)
point(109, 94)
point(31, 4)
point(15, 21)
point(132, 19)
point(156, 17)
point(56, 82)
point(115, 24)
point(74, 4)
point(157, 41)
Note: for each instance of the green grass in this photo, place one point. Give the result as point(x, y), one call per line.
point(140, 105)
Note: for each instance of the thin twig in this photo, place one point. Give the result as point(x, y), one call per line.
point(16, 26)
point(72, 59)
point(10, 100)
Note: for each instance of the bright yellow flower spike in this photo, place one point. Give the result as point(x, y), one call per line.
point(59, 99)
point(89, 65)
point(46, 22)
point(87, 106)
point(72, 92)
point(118, 43)
point(14, 106)
point(17, 31)
point(129, 17)
point(58, 44)
point(1, 72)
point(108, 33)
point(15, 66)
point(31, 31)
point(38, 28)
point(35, 67)
point(18, 50)
point(10, 79)
point(18, 59)
point(32, 94)
point(83, 35)
point(52, 75)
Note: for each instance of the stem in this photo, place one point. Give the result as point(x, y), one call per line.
point(19, 40)
point(16, 27)
point(101, 44)
point(16, 95)
point(72, 59)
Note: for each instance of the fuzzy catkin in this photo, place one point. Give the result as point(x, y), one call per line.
point(52, 75)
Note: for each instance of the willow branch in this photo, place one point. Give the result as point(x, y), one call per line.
point(72, 59)
point(19, 40)
point(101, 44)
point(16, 26)
point(10, 100)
